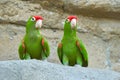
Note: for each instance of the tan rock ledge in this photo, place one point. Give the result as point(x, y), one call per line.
point(95, 8)
point(41, 70)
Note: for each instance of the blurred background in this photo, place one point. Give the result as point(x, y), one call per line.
point(98, 27)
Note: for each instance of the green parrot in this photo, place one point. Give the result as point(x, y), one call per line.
point(34, 45)
point(71, 50)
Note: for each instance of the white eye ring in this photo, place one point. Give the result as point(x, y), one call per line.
point(32, 19)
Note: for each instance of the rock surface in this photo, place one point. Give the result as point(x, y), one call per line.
point(99, 28)
point(95, 8)
point(38, 70)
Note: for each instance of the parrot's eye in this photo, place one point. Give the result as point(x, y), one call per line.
point(32, 19)
point(67, 20)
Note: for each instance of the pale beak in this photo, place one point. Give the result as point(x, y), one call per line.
point(73, 23)
point(38, 24)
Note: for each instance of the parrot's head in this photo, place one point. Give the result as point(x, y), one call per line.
point(70, 25)
point(71, 22)
point(34, 22)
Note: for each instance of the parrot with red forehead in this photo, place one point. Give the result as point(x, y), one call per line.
point(71, 50)
point(34, 45)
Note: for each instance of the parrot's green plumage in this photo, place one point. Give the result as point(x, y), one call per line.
point(34, 45)
point(71, 50)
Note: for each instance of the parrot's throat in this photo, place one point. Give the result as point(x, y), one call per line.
point(68, 32)
point(32, 29)
point(33, 35)
point(37, 31)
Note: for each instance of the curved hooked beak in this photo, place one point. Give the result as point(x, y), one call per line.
point(73, 23)
point(38, 24)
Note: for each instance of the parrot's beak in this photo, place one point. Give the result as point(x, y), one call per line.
point(38, 24)
point(73, 23)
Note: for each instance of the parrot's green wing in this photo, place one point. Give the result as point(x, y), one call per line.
point(63, 58)
point(46, 48)
point(59, 50)
point(83, 52)
point(22, 53)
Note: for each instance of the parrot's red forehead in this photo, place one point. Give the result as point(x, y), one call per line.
point(38, 17)
point(71, 17)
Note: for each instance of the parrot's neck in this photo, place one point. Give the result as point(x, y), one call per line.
point(68, 32)
point(30, 28)
point(32, 32)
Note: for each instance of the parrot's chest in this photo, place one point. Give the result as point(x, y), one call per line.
point(69, 47)
point(33, 40)
point(33, 44)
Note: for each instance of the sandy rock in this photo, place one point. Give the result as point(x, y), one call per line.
point(96, 8)
point(98, 27)
point(38, 70)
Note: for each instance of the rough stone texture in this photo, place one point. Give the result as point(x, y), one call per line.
point(38, 70)
point(99, 30)
point(96, 8)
